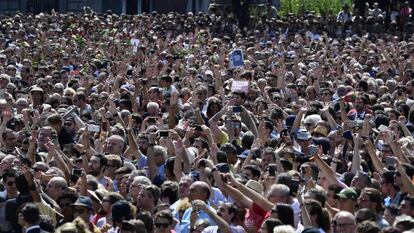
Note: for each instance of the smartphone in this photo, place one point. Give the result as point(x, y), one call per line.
point(383, 128)
point(93, 128)
point(152, 120)
point(390, 161)
point(163, 133)
point(237, 109)
point(198, 128)
point(77, 172)
point(272, 170)
point(347, 135)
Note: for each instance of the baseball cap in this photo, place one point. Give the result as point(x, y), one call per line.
point(244, 154)
point(348, 193)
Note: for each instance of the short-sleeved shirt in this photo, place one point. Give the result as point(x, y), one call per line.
point(255, 217)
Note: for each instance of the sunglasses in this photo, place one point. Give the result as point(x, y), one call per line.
point(161, 225)
point(326, 93)
point(10, 183)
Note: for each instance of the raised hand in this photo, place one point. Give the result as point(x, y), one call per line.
point(7, 116)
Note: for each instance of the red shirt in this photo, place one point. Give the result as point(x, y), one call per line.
point(255, 217)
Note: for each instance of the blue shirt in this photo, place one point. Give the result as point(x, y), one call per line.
point(185, 221)
point(142, 162)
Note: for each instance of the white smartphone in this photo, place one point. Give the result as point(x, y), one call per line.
point(93, 128)
point(383, 128)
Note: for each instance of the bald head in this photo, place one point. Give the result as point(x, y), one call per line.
point(199, 190)
point(55, 187)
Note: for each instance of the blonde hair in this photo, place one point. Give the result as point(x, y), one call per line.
point(77, 226)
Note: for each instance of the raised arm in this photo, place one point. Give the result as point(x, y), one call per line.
point(213, 121)
point(58, 159)
point(327, 114)
point(238, 196)
point(366, 127)
point(376, 162)
point(356, 159)
point(401, 123)
point(152, 167)
point(298, 119)
point(248, 120)
point(405, 179)
point(259, 199)
point(327, 171)
point(223, 225)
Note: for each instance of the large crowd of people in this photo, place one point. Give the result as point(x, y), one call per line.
point(187, 123)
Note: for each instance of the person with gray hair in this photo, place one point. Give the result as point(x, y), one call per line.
point(284, 229)
point(404, 223)
point(55, 187)
point(344, 222)
point(153, 109)
point(136, 186)
point(279, 193)
point(115, 144)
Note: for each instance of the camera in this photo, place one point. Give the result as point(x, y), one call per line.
point(163, 133)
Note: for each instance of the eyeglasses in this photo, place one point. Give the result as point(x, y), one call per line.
point(161, 225)
point(10, 183)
